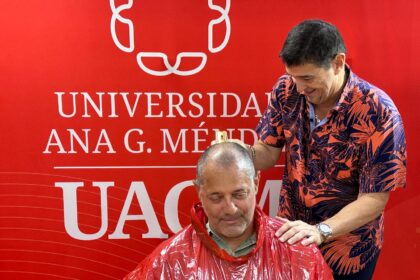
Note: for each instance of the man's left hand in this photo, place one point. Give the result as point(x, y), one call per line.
point(294, 231)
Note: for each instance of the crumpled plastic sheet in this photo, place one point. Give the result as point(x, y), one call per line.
point(192, 254)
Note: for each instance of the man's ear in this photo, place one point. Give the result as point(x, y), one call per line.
point(196, 185)
point(257, 180)
point(339, 62)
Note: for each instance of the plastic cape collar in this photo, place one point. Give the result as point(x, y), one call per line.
point(199, 220)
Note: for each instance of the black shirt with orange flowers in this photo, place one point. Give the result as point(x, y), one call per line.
point(359, 148)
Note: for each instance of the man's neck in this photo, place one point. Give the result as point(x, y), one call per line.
point(234, 242)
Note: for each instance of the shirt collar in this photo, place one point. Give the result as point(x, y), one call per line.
point(243, 248)
point(349, 89)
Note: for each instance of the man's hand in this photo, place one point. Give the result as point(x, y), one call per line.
point(263, 155)
point(294, 231)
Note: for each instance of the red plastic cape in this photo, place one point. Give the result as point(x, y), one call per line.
point(192, 254)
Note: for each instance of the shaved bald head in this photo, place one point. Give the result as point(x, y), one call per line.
point(225, 155)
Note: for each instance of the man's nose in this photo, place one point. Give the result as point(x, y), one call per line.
point(300, 86)
point(230, 207)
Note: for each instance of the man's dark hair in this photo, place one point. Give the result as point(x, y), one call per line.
point(312, 41)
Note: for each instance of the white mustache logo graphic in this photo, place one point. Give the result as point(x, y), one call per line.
point(170, 69)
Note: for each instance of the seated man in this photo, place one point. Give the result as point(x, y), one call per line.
point(229, 236)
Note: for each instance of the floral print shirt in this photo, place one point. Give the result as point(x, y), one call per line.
point(360, 148)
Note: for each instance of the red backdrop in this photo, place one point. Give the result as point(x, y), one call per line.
point(99, 137)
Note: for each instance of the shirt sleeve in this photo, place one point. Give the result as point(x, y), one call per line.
point(270, 126)
point(384, 167)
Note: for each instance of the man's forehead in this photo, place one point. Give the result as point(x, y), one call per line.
point(213, 182)
point(304, 70)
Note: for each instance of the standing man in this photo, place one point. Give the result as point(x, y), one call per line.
point(345, 151)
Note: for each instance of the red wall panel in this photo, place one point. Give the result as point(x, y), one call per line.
point(139, 145)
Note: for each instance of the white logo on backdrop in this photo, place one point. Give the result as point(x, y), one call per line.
point(170, 69)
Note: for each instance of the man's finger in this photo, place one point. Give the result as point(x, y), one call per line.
point(285, 227)
point(309, 240)
point(299, 235)
point(293, 230)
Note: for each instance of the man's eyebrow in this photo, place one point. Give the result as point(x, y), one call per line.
point(214, 193)
point(235, 191)
point(240, 190)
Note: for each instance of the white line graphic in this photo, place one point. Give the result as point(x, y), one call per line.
point(224, 17)
point(116, 16)
point(134, 167)
point(171, 69)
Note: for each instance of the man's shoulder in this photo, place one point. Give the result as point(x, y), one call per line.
point(273, 224)
point(372, 94)
point(179, 242)
point(284, 86)
point(163, 256)
point(284, 92)
point(171, 249)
